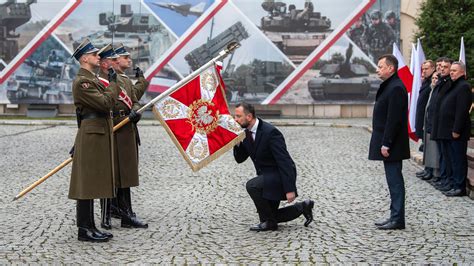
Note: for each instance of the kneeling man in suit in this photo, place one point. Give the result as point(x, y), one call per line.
point(276, 171)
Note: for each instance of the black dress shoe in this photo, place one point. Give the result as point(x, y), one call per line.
point(392, 225)
point(455, 193)
point(308, 206)
point(87, 234)
point(445, 188)
point(131, 221)
point(420, 173)
point(427, 177)
point(265, 226)
point(383, 222)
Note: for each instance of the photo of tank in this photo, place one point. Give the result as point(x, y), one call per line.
point(45, 77)
point(344, 79)
point(12, 16)
point(255, 81)
point(125, 23)
point(201, 55)
point(296, 32)
point(251, 82)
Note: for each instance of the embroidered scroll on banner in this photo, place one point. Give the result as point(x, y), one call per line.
point(197, 118)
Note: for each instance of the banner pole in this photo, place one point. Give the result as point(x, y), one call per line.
point(230, 48)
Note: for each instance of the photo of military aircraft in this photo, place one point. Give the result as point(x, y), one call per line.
point(184, 9)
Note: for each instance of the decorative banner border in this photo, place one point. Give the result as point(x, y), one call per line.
point(38, 39)
point(275, 96)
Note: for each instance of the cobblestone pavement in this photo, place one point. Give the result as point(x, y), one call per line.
point(204, 217)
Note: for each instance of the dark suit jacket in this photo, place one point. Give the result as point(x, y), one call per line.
point(441, 89)
point(423, 96)
point(390, 121)
point(271, 159)
point(453, 113)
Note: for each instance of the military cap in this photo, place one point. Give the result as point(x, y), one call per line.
point(107, 52)
point(85, 47)
point(120, 50)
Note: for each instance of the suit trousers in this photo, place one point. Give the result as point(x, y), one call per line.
point(268, 209)
point(396, 187)
point(457, 150)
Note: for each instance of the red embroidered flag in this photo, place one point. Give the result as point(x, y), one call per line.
point(197, 118)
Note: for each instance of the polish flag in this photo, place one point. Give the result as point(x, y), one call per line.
point(462, 53)
point(407, 78)
point(418, 59)
point(197, 118)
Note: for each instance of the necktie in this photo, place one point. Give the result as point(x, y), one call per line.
point(248, 136)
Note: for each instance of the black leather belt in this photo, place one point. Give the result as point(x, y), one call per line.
point(121, 113)
point(96, 115)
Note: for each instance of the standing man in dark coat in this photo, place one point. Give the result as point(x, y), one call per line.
point(427, 70)
point(92, 175)
point(276, 171)
point(444, 83)
point(389, 142)
point(454, 128)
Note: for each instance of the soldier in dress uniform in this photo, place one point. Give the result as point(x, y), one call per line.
point(126, 150)
point(108, 59)
point(92, 175)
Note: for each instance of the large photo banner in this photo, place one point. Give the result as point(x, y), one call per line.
point(292, 52)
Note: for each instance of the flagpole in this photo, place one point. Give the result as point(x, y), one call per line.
point(230, 48)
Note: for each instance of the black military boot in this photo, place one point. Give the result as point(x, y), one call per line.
point(115, 210)
point(105, 234)
point(129, 218)
point(86, 230)
point(106, 221)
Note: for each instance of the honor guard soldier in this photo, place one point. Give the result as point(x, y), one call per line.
point(92, 175)
point(126, 149)
point(108, 59)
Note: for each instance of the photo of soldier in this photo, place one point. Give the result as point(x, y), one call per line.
point(379, 37)
point(357, 32)
point(377, 29)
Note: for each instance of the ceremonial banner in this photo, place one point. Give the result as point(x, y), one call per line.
point(197, 118)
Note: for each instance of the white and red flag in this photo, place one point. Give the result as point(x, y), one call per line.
point(407, 78)
point(418, 59)
point(197, 118)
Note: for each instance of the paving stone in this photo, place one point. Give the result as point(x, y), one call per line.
point(203, 217)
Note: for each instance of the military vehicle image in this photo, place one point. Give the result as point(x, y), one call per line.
point(137, 31)
point(43, 82)
point(251, 82)
point(12, 16)
point(344, 81)
point(296, 32)
point(201, 55)
point(255, 81)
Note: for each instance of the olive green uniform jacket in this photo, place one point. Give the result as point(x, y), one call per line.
point(126, 149)
point(92, 174)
